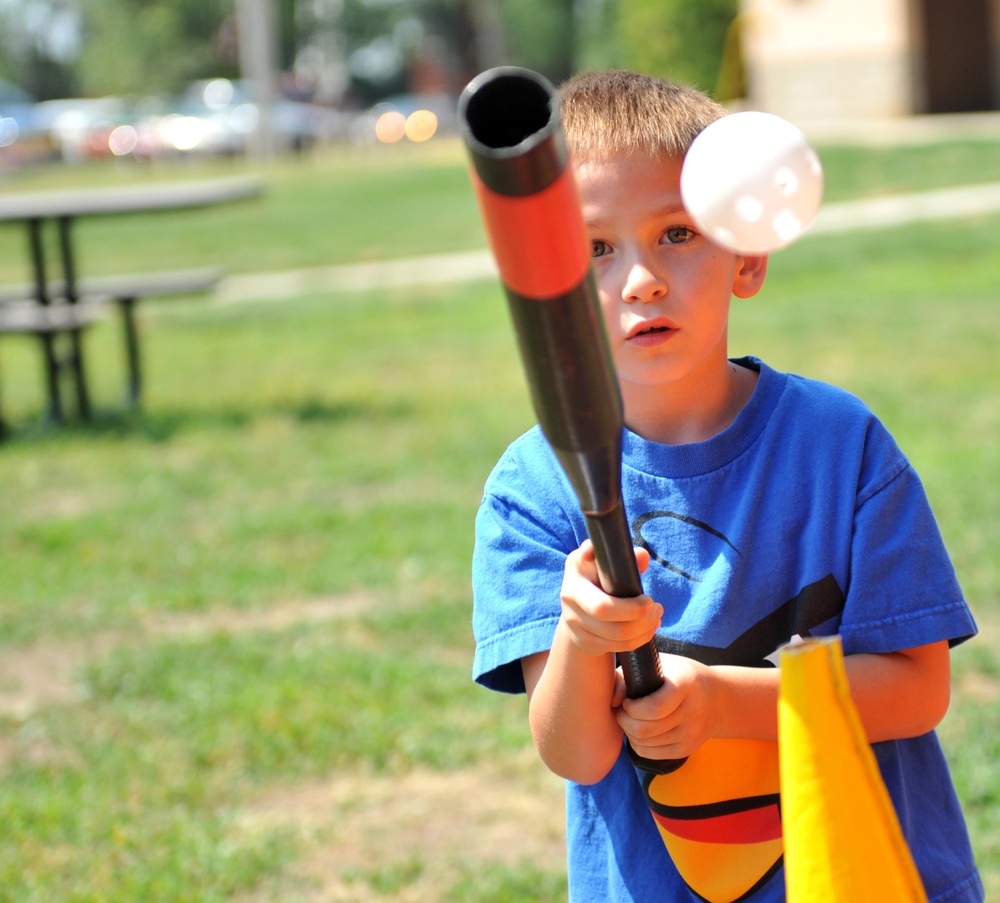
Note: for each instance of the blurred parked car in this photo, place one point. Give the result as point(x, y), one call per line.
point(80, 128)
point(213, 116)
point(221, 116)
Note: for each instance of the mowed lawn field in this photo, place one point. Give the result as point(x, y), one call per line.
point(235, 635)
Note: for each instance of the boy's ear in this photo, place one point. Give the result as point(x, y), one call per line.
point(750, 273)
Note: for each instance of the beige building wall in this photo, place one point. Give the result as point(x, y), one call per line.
point(821, 60)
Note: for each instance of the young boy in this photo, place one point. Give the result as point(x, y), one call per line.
point(764, 506)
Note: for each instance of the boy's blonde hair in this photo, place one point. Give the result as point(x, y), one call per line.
point(620, 113)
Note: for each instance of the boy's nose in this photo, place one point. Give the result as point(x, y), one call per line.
point(643, 283)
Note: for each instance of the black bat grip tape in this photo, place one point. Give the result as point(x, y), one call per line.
point(620, 577)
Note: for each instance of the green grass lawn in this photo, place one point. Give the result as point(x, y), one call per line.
point(234, 627)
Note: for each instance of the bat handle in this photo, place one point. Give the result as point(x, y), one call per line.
point(620, 576)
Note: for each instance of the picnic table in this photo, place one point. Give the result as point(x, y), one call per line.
point(58, 305)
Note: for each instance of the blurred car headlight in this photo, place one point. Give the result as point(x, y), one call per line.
point(421, 125)
point(184, 133)
point(390, 127)
point(123, 140)
point(8, 131)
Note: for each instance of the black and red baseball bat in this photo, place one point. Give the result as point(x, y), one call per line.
point(512, 129)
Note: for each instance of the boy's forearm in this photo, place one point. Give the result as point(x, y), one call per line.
point(901, 694)
point(747, 702)
point(572, 722)
point(897, 695)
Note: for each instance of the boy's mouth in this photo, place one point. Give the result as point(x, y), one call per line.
point(650, 329)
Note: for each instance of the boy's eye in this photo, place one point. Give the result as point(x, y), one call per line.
point(677, 235)
point(599, 248)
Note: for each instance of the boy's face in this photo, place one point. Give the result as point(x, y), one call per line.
point(664, 287)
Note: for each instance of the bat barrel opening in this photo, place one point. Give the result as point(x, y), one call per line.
point(507, 108)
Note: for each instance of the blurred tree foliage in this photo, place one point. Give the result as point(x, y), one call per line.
point(127, 46)
point(142, 47)
point(152, 46)
point(678, 39)
point(37, 46)
point(384, 40)
point(542, 35)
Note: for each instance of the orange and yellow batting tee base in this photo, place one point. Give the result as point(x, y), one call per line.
point(843, 843)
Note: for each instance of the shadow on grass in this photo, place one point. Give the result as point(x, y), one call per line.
point(165, 425)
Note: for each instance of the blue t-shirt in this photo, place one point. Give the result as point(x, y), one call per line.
point(803, 518)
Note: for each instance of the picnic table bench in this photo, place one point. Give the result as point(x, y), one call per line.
point(20, 311)
point(62, 309)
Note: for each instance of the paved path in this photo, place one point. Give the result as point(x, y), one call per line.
point(431, 269)
point(436, 269)
point(879, 213)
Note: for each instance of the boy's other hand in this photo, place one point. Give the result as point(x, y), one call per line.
point(673, 721)
point(598, 623)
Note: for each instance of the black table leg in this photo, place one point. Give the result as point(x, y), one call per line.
point(75, 335)
point(134, 391)
point(49, 351)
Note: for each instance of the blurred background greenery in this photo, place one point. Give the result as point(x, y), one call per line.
point(58, 48)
